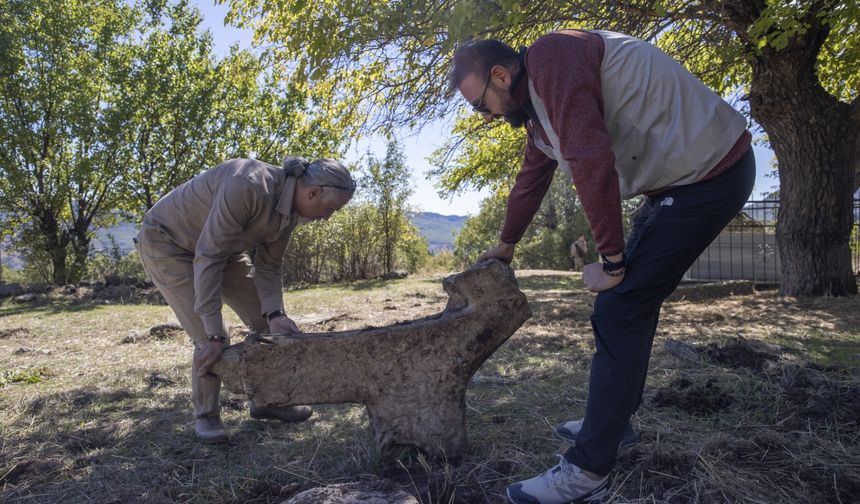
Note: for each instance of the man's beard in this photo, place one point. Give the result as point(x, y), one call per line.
point(515, 115)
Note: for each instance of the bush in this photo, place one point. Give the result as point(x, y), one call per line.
point(102, 266)
point(546, 243)
point(113, 263)
point(442, 262)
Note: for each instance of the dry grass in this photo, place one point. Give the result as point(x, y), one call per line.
point(86, 418)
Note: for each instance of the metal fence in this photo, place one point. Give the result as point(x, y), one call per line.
point(746, 249)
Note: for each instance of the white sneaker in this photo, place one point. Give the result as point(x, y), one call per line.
point(563, 484)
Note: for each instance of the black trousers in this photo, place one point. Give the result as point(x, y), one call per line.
point(668, 234)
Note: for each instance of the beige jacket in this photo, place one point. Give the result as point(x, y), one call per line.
point(240, 205)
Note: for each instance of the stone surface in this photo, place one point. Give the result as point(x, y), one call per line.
point(351, 493)
point(395, 275)
point(168, 330)
point(318, 318)
point(39, 288)
point(11, 289)
point(681, 350)
point(411, 376)
point(27, 298)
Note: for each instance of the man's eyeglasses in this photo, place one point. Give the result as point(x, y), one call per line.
point(480, 107)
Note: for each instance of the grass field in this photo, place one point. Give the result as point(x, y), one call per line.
point(86, 417)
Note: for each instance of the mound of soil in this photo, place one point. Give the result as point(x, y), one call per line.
point(693, 398)
point(739, 354)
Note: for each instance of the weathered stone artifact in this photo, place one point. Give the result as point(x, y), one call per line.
point(412, 376)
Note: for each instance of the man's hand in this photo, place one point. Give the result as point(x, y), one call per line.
point(283, 325)
point(598, 281)
point(503, 251)
point(207, 356)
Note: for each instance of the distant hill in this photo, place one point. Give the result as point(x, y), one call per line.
point(122, 233)
point(440, 230)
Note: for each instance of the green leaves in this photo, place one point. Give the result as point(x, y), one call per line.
point(779, 23)
point(107, 106)
point(58, 154)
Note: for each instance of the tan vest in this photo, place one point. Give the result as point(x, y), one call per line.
point(666, 127)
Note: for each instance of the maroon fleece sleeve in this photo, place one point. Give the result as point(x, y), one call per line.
point(531, 185)
point(565, 70)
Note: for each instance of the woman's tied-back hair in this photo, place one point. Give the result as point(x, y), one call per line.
point(478, 57)
point(322, 172)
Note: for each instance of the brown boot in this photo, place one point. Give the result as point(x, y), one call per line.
point(210, 430)
point(282, 413)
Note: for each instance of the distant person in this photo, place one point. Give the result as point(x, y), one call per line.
point(194, 245)
point(622, 119)
point(578, 252)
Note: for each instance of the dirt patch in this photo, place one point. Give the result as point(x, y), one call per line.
point(236, 403)
point(693, 398)
point(158, 332)
point(158, 380)
point(15, 331)
point(29, 471)
point(738, 353)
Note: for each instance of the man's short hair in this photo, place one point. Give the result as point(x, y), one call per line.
point(479, 57)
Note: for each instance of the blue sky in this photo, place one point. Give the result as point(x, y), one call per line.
point(417, 145)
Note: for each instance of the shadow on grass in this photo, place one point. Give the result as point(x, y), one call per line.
point(786, 313)
point(77, 446)
point(136, 444)
point(550, 282)
point(49, 308)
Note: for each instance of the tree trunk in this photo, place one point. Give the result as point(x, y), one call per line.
point(80, 255)
point(58, 261)
point(55, 242)
point(814, 136)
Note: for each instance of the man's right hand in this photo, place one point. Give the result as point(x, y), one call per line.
point(283, 325)
point(208, 355)
point(503, 252)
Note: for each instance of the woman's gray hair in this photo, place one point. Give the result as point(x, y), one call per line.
point(322, 172)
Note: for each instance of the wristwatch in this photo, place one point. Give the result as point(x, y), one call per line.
point(273, 314)
point(216, 337)
point(613, 268)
